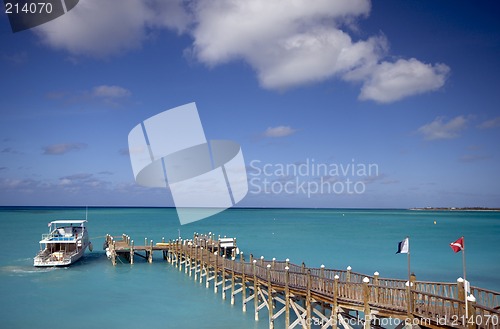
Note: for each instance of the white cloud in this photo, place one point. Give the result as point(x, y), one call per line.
point(110, 91)
point(101, 28)
point(474, 158)
point(279, 131)
point(288, 44)
point(439, 129)
point(389, 82)
point(294, 44)
point(493, 123)
point(58, 149)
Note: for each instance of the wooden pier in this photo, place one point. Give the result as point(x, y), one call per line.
point(318, 297)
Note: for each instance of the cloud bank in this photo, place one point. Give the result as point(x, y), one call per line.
point(288, 44)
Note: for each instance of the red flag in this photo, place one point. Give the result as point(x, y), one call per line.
point(458, 245)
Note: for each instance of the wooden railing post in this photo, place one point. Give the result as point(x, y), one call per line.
point(348, 274)
point(243, 283)
point(471, 317)
point(270, 297)
point(322, 277)
point(461, 297)
point(322, 286)
point(413, 285)
point(287, 297)
point(409, 296)
point(308, 299)
point(335, 301)
point(255, 291)
point(375, 283)
point(366, 299)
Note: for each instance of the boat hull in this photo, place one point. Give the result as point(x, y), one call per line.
point(56, 259)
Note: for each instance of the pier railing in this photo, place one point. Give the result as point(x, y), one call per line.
point(439, 304)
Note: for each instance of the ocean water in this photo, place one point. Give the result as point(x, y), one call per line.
point(92, 293)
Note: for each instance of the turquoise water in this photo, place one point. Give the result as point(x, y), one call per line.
point(158, 295)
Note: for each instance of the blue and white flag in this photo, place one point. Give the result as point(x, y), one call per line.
point(403, 246)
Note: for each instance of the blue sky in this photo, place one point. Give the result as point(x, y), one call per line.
point(411, 86)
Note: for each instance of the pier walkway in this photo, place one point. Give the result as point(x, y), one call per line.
point(318, 297)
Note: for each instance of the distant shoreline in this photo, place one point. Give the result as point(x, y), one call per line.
point(249, 208)
point(456, 209)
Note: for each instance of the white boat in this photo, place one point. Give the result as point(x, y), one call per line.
point(64, 244)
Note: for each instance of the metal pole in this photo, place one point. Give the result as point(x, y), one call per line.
point(409, 271)
point(465, 282)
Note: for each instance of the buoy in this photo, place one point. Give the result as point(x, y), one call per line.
point(434, 222)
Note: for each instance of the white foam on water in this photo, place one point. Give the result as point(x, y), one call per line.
point(25, 270)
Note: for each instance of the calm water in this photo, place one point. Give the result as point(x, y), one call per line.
point(158, 295)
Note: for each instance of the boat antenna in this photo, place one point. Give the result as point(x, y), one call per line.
point(86, 212)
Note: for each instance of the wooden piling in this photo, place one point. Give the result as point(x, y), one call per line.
point(113, 253)
point(233, 264)
point(132, 252)
point(270, 297)
point(243, 286)
point(216, 271)
point(223, 275)
point(150, 254)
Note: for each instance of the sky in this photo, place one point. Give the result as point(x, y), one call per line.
point(407, 89)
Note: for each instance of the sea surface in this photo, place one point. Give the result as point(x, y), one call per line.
point(93, 294)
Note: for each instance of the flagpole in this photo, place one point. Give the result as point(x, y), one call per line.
point(409, 272)
point(409, 276)
point(465, 282)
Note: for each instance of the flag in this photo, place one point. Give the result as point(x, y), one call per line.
point(403, 246)
point(458, 245)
